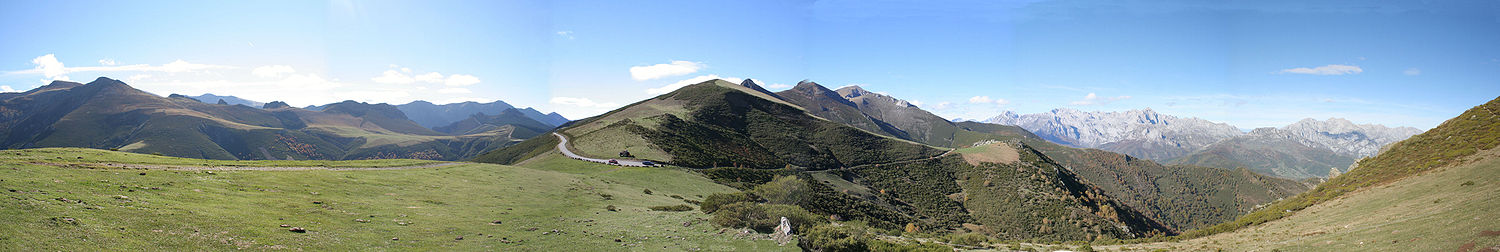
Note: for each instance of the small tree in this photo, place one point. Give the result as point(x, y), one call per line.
point(912, 228)
point(783, 190)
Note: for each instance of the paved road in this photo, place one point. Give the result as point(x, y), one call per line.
point(562, 146)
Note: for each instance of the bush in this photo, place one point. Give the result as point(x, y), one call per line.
point(647, 191)
point(714, 201)
point(611, 208)
point(765, 217)
point(837, 238)
point(782, 190)
point(672, 208)
point(969, 239)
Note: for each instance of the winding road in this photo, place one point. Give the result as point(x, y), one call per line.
point(562, 146)
point(239, 168)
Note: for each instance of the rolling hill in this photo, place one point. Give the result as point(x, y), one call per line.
point(432, 115)
point(108, 114)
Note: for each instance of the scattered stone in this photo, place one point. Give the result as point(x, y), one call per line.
point(298, 230)
point(497, 222)
point(362, 220)
point(143, 174)
point(395, 239)
point(460, 238)
point(317, 202)
point(285, 225)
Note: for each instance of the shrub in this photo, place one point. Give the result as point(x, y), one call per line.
point(782, 190)
point(672, 208)
point(765, 217)
point(611, 208)
point(647, 191)
point(837, 238)
point(969, 239)
point(714, 201)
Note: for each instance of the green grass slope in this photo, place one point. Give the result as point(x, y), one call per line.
point(1281, 157)
point(560, 205)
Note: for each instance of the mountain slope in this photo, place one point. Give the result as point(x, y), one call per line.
point(480, 123)
point(1306, 149)
point(1433, 191)
point(1452, 143)
point(431, 115)
point(1269, 151)
point(828, 104)
point(1180, 196)
point(920, 125)
point(107, 113)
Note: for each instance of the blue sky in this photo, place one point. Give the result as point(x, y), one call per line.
point(1247, 63)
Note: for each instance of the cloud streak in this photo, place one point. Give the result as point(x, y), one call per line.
point(658, 71)
point(1095, 99)
point(1325, 70)
point(683, 83)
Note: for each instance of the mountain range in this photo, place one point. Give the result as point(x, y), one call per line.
point(109, 114)
point(1305, 149)
point(860, 146)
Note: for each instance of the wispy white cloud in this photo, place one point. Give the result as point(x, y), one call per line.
point(915, 103)
point(1094, 99)
point(675, 68)
point(683, 83)
point(454, 91)
point(1325, 70)
point(107, 62)
point(565, 34)
point(273, 71)
point(942, 105)
point(1412, 71)
point(581, 102)
point(7, 89)
point(980, 99)
point(50, 67)
point(404, 76)
point(1002, 102)
point(778, 86)
point(461, 80)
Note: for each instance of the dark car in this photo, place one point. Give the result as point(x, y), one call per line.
point(648, 163)
point(613, 162)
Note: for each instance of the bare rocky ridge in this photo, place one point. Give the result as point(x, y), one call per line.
point(1345, 137)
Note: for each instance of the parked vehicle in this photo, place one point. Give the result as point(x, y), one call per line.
point(613, 162)
point(648, 163)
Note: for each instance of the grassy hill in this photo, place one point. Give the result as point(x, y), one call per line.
point(74, 204)
point(1451, 144)
point(108, 114)
point(717, 123)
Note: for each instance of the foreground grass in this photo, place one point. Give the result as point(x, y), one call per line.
point(1448, 209)
point(55, 208)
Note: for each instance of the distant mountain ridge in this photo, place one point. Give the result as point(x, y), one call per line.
point(1139, 133)
point(230, 99)
point(109, 114)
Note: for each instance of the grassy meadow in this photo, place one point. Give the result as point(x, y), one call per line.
point(552, 203)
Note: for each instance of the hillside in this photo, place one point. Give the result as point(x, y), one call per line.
point(108, 114)
point(432, 115)
point(1433, 191)
point(1182, 197)
point(523, 127)
point(1441, 160)
point(1270, 151)
point(57, 201)
point(920, 125)
point(746, 138)
point(717, 123)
